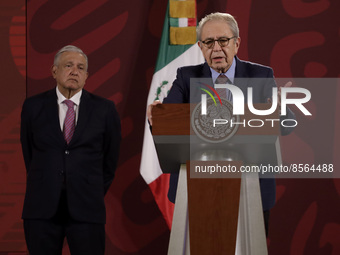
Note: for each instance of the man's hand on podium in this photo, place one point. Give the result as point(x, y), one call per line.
point(149, 110)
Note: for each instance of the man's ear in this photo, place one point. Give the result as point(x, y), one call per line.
point(54, 71)
point(238, 42)
point(237, 45)
point(199, 43)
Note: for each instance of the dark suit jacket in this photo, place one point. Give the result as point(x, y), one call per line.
point(85, 167)
point(180, 93)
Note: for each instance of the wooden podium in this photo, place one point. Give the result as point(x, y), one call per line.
point(225, 214)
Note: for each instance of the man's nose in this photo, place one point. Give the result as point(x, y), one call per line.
point(74, 71)
point(216, 46)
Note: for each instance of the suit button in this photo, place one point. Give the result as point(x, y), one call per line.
point(67, 152)
point(62, 174)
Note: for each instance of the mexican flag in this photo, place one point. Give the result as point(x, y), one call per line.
point(178, 48)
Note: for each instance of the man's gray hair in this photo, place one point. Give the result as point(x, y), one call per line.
point(69, 48)
point(229, 19)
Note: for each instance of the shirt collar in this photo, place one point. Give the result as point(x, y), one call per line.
point(230, 72)
point(75, 99)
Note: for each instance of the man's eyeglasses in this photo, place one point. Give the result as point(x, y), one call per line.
point(223, 42)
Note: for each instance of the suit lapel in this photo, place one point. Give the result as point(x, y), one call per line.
point(202, 77)
point(206, 73)
point(53, 115)
point(85, 110)
point(241, 77)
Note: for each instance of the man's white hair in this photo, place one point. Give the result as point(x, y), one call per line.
point(69, 48)
point(229, 19)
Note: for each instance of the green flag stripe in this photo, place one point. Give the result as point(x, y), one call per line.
point(173, 22)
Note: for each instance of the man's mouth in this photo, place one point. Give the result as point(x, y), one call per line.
point(217, 59)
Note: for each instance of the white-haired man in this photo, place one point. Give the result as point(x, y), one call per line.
point(219, 40)
point(70, 142)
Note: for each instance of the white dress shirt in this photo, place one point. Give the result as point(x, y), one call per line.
point(63, 107)
point(230, 73)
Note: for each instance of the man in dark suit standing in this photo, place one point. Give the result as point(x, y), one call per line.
point(219, 41)
point(70, 141)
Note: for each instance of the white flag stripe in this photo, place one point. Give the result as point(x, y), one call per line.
point(149, 167)
point(183, 22)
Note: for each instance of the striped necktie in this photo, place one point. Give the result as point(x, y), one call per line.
point(69, 123)
point(223, 93)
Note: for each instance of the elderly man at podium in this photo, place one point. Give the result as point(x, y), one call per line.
point(219, 41)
